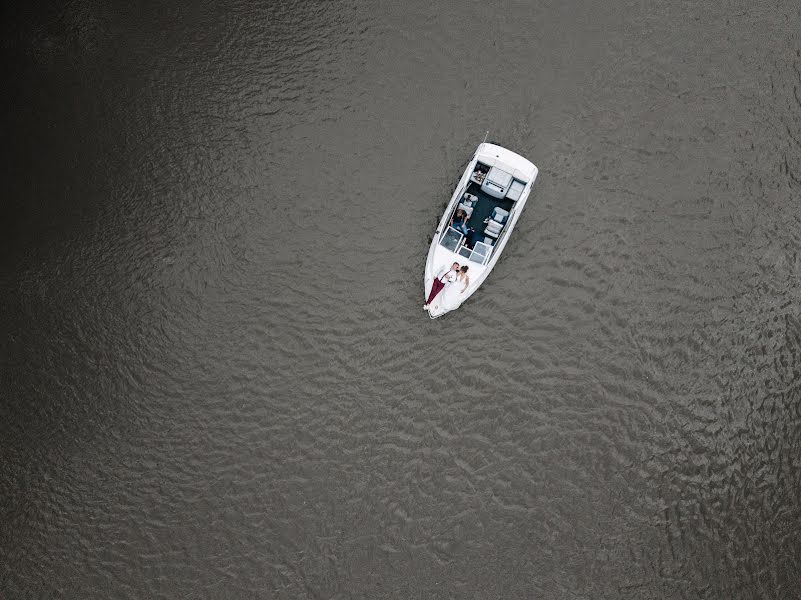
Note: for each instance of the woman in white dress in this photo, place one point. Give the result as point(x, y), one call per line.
point(453, 294)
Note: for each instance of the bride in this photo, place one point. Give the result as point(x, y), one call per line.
point(453, 294)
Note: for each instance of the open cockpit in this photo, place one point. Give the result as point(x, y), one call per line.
point(480, 217)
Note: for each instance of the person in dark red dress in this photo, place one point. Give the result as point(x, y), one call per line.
point(440, 281)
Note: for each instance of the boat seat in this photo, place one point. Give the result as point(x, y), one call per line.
point(500, 215)
point(515, 190)
point(493, 228)
point(468, 203)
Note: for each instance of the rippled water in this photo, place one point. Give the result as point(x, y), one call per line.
point(217, 380)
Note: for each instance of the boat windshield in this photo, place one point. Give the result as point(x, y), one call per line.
point(481, 253)
point(454, 241)
point(451, 239)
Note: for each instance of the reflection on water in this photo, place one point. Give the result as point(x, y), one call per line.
point(217, 378)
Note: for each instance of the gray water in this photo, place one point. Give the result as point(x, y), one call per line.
point(217, 380)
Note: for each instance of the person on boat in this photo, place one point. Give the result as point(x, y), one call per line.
point(444, 276)
point(453, 295)
point(471, 237)
point(459, 221)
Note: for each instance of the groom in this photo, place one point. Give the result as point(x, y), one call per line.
point(439, 283)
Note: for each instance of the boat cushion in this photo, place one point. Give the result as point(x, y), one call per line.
point(499, 214)
point(515, 190)
point(493, 228)
point(496, 184)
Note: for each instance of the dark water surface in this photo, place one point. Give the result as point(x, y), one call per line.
point(217, 380)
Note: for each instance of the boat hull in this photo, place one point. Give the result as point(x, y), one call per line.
point(442, 253)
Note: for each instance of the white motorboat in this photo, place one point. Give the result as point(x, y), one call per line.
point(490, 197)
